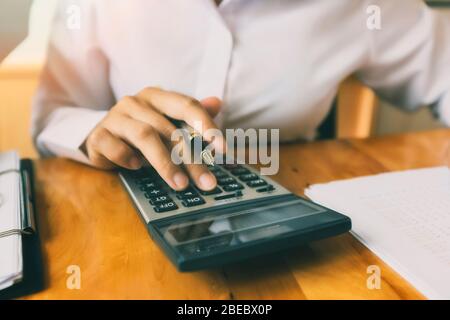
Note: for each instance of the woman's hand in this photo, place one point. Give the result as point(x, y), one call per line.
point(138, 125)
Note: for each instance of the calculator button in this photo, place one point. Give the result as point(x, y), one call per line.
point(210, 192)
point(167, 206)
point(227, 180)
point(248, 177)
point(220, 174)
point(188, 193)
point(256, 183)
point(154, 193)
point(233, 187)
point(228, 196)
point(194, 201)
point(149, 185)
point(214, 169)
point(142, 181)
point(138, 173)
point(239, 171)
point(158, 200)
point(267, 188)
point(231, 166)
point(145, 173)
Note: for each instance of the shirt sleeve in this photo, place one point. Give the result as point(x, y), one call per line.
point(409, 59)
point(74, 92)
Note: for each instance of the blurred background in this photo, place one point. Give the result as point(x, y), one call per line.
point(19, 75)
point(360, 114)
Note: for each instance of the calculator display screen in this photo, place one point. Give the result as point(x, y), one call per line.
point(237, 227)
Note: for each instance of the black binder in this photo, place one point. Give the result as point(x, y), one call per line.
point(33, 276)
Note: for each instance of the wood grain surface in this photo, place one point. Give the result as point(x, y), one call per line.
point(86, 219)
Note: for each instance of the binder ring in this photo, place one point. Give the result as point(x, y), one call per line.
point(9, 171)
point(27, 227)
point(8, 233)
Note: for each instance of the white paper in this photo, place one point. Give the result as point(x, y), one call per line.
point(404, 218)
point(10, 246)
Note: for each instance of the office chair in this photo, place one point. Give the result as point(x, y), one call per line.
point(353, 112)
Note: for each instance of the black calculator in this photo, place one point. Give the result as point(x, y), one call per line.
point(246, 215)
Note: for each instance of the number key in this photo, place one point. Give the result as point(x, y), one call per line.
point(226, 180)
point(231, 166)
point(239, 171)
point(248, 177)
point(220, 174)
point(256, 183)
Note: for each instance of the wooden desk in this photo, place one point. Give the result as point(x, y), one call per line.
point(86, 219)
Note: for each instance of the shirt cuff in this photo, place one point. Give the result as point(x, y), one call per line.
point(67, 131)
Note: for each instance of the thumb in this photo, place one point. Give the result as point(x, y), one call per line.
point(212, 105)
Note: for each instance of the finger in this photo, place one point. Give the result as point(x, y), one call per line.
point(139, 109)
point(199, 173)
point(212, 105)
point(93, 143)
point(185, 108)
point(202, 177)
point(99, 161)
point(116, 151)
point(147, 140)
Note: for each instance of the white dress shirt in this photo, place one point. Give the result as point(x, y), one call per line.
point(275, 63)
